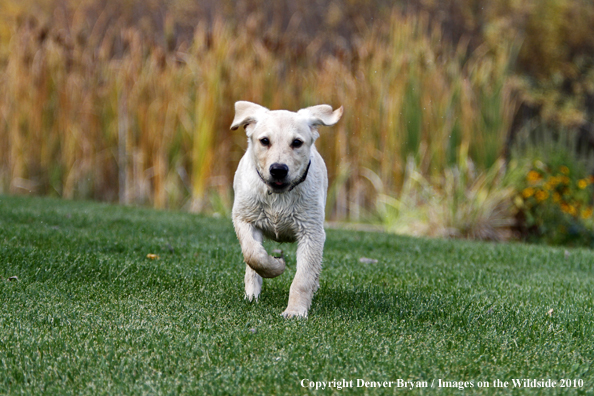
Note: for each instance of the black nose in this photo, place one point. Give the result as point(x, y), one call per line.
point(279, 171)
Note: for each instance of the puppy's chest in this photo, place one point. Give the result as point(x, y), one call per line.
point(277, 220)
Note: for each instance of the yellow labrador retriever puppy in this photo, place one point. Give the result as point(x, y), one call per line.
point(280, 193)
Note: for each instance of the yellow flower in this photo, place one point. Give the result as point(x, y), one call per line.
point(583, 183)
point(552, 183)
point(569, 209)
point(565, 170)
point(556, 197)
point(587, 212)
point(528, 192)
point(541, 195)
point(533, 176)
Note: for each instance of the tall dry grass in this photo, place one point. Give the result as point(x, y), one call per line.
point(113, 116)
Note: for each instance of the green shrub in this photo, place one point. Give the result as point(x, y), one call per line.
point(463, 203)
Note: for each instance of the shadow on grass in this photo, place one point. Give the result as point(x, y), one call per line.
point(371, 302)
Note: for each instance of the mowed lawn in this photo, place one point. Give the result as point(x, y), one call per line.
point(91, 314)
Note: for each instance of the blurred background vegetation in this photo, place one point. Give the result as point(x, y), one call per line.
point(451, 107)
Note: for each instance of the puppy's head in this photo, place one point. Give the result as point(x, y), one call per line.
point(281, 140)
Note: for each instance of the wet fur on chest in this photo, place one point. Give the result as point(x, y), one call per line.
point(277, 217)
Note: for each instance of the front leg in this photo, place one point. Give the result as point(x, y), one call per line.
point(306, 281)
point(254, 254)
point(253, 283)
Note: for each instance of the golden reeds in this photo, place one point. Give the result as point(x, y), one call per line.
point(113, 116)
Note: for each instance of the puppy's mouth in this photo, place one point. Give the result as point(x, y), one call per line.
point(278, 186)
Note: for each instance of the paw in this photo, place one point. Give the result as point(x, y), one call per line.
point(294, 313)
point(253, 286)
point(251, 296)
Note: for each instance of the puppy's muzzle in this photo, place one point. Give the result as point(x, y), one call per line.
point(278, 183)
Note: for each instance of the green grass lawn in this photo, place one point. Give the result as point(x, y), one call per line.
point(91, 314)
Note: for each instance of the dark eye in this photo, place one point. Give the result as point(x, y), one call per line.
point(296, 143)
point(265, 142)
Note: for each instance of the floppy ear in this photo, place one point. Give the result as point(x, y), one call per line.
point(321, 115)
point(246, 113)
